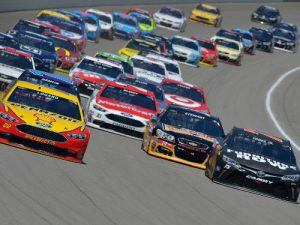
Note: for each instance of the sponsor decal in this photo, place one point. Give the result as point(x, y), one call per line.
point(126, 114)
point(261, 159)
point(123, 125)
point(182, 101)
point(6, 125)
point(45, 118)
point(259, 179)
point(188, 132)
point(38, 139)
point(43, 125)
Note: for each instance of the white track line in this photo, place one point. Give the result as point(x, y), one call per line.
point(269, 109)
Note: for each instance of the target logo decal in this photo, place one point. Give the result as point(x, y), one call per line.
point(182, 101)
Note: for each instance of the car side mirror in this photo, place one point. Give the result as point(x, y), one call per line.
point(153, 119)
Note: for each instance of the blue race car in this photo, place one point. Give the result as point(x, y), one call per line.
point(92, 25)
point(8, 41)
point(74, 17)
point(41, 47)
point(146, 23)
point(248, 40)
point(125, 26)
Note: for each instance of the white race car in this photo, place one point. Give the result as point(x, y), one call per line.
point(149, 68)
point(186, 50)
point(172, 66)
point(106, 22)
point(170, 18)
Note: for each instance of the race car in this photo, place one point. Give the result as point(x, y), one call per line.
point(266, 14)
point(40, 118)
point(229, 51)
point(66, 50)
point(73, 31)
point(138, 46)
point(209, 52)
point(146, 23)
point(151, 69)
point(185, 95)
point(148, 85)
point(248, 40)
point(286, 26)
point(164, 43)
point(49, 15)
point(229, 36)
point(106, 22)
point(172, 66)
point(182, 135)
point(72, 16)
point(125, 26)
point(186, 50)
point(207, 14)
point(12, 64)
point(140, 11)
point(91, 73)
point(8, 40)
point(125, 62)
point(285, 40)
point(122, 109)
point(255, 161)
point(263, 38)
point(170, 18)
point(41, 47)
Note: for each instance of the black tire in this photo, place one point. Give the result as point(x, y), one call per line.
point(110, 35)
point(218, 23)
point(182, 28)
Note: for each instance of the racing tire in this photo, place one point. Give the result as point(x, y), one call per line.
point(239, 61)
point(182, 28)
point(218, 23)
point(110, 35)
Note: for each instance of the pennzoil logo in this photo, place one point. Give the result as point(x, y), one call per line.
point(44, 118)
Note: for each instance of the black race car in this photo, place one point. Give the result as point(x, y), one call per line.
point(27, 25)
point(263, 38)
point(286, 26)
point(182, 135)
point(8, 40)
point(266, 14)
point(285, 40)
point(164, 43)
point(254, 161)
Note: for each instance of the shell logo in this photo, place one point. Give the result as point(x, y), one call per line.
point(44, 118)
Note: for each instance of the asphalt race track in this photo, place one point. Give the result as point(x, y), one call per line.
point(121, 185)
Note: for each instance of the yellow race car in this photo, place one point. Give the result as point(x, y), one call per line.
point(137, 46)
point(229, 51)
point(48, 16)
point(207, 14)
point(41, 112)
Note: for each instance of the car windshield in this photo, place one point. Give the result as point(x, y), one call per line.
point(206, 44)
point(149, 66)
point(126, 65)
point(49, 81)
point(185, 119)
point(68, 27)
point(125, 20)
point(171, 12)
point(63, 43)
point(206, 9)
point(15, 60)
point(144, 20)
point(171, 67)
point(129, 97)
point(283, 33)
point(229, 35)
point(141, 46)
point(89, 20)
point(247, 36)
point(185, 43)
point(184, 91)
point(100, 68)
point(45, 101)
point(26, 26)
point(260, 145)
point(261, 34)
point(156, 89)
point(227, 44)
point(103, 18)
point(285, 27)
point(38, 43)
point(8, 42)
point(46, 17)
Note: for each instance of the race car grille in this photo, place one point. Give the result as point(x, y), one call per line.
point(121, 33)
point(193, 144)
point(202, 18)
point(166, 24)
point(125, 120)
point(190, 155)
point(41, 133)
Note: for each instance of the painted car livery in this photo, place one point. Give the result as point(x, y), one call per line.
point(125, 26)
point(207, 14)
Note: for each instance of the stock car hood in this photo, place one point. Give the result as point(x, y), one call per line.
point(263, 38)
point(186, 102)
point(168, 17)
point(70, 34)
point(10, 71)
point(183, 49)
point(260, 162)
point(128, 52)
point(91, 77)
point(148, 74)
point(125, 27)
point(49, 121)
point(128, 109)
point(207, 15)
point(189, 134)
point(228, 50)
point(146, 27)
point(206, 51)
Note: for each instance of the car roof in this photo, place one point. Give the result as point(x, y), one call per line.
point(113, 64)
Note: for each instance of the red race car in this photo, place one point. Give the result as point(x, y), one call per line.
point(51, 28)
point(121, 108)
point(140, 11)
point(185, 94)
point(67, 51)
point(208, 50)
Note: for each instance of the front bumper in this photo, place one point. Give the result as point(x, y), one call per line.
point(124, 35)
point(283, 46)
point(201, 19)
point(264, 47)
point(174, 152)
point(182, 57)
point(169, 24)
